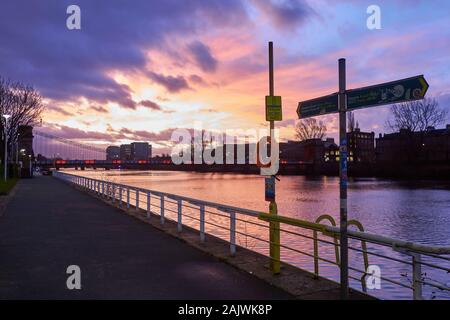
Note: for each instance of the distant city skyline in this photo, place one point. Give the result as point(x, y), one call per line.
point(168, 65)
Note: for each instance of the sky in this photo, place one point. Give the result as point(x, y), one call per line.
point(137, 70)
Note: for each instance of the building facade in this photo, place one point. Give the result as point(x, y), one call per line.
point(431, 146)
point(140, 151)
point(125, 152)
point(112, 153)
point(361, 146)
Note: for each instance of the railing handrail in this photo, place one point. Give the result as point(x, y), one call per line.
point(370, 237)
point(379, 239)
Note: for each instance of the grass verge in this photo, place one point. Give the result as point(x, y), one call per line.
point(5, 187)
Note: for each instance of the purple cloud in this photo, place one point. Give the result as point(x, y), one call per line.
point(150, 104)
point(202, 56)
point(60, 110)
point(99, 109)
point(285, 14)
point(171, 83)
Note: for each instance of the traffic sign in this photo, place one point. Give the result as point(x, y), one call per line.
point(387, 93)
point(318, 106)
point(403, 90)
point(273, 108)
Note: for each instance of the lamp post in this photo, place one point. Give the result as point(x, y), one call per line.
point(31, 168)
point(5, 165)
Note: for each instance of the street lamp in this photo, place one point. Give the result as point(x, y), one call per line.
point(5, 165)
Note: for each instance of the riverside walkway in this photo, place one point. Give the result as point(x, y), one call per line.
point(47, 226)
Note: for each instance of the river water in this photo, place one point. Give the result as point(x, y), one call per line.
point(412, 211)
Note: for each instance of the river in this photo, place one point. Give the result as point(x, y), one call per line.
point(413, 211)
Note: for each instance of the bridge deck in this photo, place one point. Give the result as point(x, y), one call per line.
point(48, 226)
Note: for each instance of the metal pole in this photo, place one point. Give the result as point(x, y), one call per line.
point(274, 226)
point(180, 224)
point(232, 233)
point(202, 223)
point(148, 205)
point(137, 200)
point(417, 276)
point(5, 165)
point(343, 179)
point(161, 207)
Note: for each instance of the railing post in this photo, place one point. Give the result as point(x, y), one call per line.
point(128, 198)
point(162, 208)
point(417, 276)
point(316, 254)
point(103, 188)
point(232, 233)
point(113, 194)
point(274, 238)
point(202, 223)
point(137, 200)
point(120, 196)
point(148, 205)
point(180, 225)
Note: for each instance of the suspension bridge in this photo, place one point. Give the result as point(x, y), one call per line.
point(58, 152)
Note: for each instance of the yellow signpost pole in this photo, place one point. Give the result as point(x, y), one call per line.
point(273, 210)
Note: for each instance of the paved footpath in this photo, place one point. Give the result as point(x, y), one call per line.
point(49, 225)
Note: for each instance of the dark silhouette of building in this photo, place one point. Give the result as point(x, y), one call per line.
point(361, 146)
point(125, 152)
point(331, 152)
point(112, 153)
point(140, 151)
point(307, 151)
point(431, 146)
point(150, 154)
point(25, 148)
point(135, 151)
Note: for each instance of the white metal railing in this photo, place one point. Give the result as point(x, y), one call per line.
point(231, 223)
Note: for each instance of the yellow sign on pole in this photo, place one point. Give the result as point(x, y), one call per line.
point(273, 108)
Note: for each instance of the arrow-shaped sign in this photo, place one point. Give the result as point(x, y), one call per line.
point(408, 89)
point(318, 106)
point(403, 90)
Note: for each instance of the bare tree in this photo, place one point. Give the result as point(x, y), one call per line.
point(416, 115)
point(23, 103)
point(310, 128)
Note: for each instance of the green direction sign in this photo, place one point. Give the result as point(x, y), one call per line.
point(403, 90)
point(318, 106)
point(387, 93)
